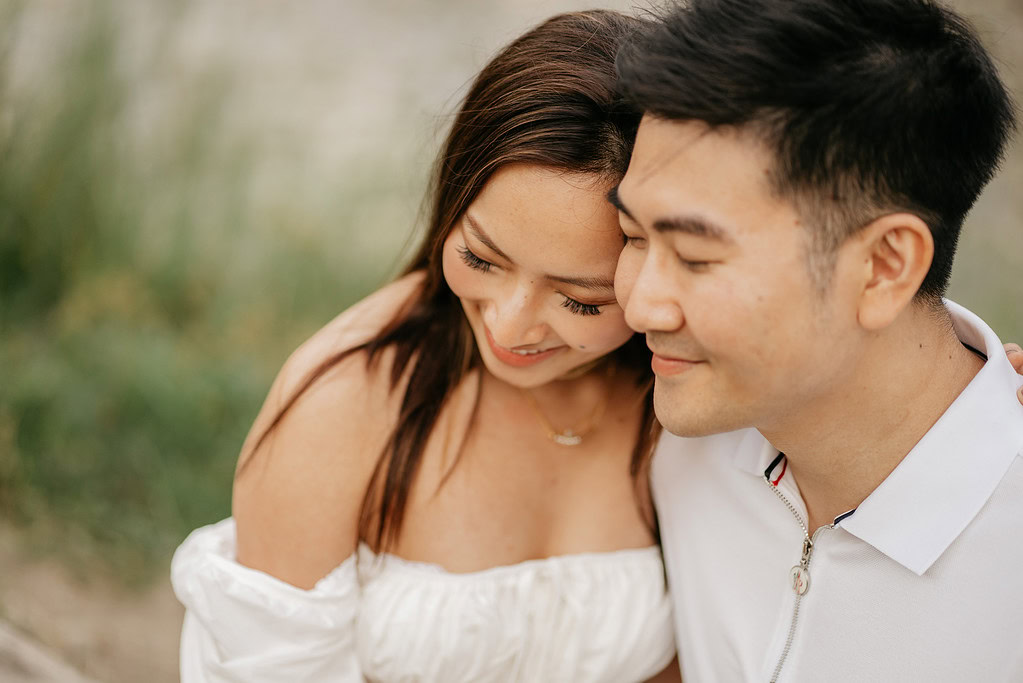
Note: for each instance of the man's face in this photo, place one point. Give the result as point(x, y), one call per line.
point(715, 274)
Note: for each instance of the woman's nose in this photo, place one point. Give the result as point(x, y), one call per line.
point(513, 319)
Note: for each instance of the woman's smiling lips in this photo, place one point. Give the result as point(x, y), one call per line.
point(520, 359)
point(665, 366)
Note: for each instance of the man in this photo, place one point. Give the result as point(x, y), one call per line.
point(792, 207)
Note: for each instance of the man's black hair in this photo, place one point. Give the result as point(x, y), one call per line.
point(868, 106)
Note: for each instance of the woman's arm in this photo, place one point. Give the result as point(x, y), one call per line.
point(297, 499)
point(298, 496)
point(273, 594)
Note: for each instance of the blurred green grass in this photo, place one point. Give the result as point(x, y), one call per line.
point(141, 320)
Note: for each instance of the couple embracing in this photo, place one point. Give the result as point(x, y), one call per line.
point(473, 474)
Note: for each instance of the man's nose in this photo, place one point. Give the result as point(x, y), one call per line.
point(653, 303)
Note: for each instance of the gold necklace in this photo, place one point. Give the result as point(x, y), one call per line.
point(570, 437)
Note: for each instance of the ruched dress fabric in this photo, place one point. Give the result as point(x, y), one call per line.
point(596, 617)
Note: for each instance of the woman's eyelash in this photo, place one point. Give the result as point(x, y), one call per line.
point(580, 308)
point(474, 261)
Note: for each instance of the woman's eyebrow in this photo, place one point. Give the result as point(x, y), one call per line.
point(483, 237)
point(586, 282)
point(599, 282)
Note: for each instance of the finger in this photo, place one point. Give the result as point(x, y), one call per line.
point(1019, 394)
point(1015, 354)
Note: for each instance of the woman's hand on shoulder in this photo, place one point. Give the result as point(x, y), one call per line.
point(298, 493)
point(1015, 354)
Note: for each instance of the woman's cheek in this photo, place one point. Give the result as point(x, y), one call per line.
point(599, 334)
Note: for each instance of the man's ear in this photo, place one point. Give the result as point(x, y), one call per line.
point(895, 254)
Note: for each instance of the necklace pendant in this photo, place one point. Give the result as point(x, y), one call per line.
point(567, 438)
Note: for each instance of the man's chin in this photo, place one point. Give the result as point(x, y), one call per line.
point(683, 414)
point(693, 430)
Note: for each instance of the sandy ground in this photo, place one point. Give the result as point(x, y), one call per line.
point(23, 660)
point(97, 627)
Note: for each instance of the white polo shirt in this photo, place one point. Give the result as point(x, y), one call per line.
point(922, 582)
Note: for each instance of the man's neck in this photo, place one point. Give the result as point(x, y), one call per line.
point(847, 442)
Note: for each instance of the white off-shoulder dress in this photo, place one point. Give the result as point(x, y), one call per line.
point(596, 617)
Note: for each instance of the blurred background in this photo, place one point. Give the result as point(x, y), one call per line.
point(187, 191)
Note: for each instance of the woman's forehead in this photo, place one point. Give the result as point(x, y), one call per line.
point(535, 215)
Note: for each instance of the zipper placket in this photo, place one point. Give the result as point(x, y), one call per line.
point(799, 575)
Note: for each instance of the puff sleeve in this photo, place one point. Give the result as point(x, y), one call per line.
point(242, 625)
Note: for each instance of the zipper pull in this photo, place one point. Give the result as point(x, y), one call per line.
point(799, 576)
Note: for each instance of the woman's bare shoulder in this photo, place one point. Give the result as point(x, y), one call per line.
point(297, 497)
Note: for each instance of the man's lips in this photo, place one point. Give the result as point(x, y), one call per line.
point(665, 366)
point(518, 360)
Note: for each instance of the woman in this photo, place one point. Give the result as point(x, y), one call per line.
point(447, 482)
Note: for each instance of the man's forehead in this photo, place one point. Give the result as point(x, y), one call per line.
point(689, 177)
point(658, 143)
point(668, 152)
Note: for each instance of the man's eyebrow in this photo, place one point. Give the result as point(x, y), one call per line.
point(600, 282)
point(484, 238)
point(616, 201)
point(693, 225)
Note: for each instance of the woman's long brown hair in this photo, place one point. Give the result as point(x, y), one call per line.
point(549, 98)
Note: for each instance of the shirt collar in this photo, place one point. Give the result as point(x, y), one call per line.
point(754, 453)
point(941, 485)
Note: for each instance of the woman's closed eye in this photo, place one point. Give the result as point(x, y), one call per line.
point(579, 308)
point(474, 261)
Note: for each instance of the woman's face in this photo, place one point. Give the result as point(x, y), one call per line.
point(533, 262)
